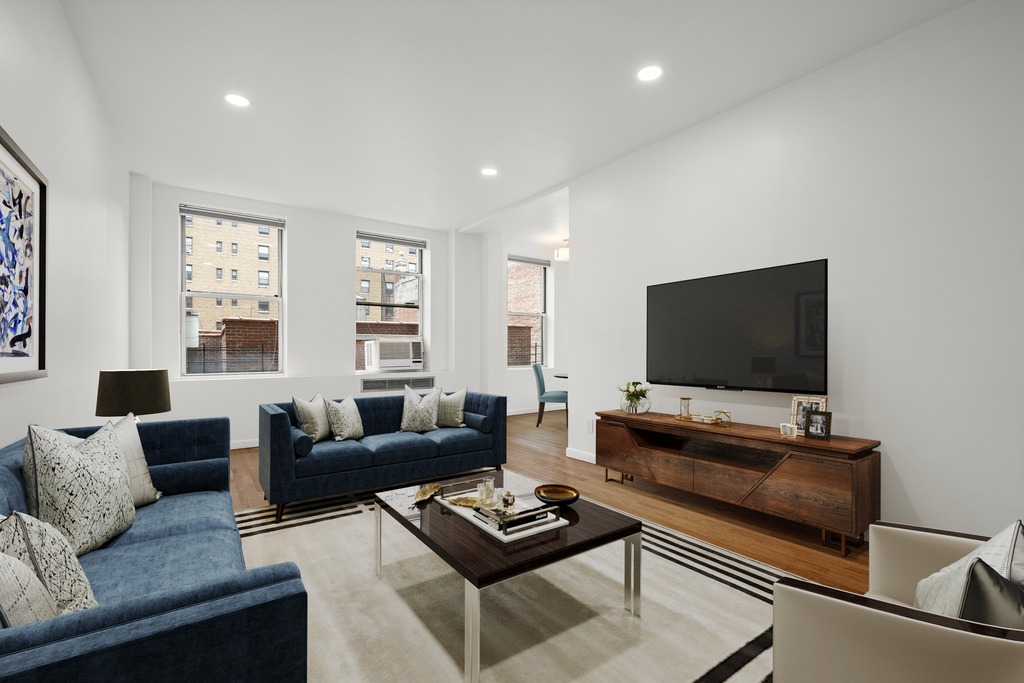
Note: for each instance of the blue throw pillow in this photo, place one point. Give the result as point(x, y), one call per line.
point(481, 423)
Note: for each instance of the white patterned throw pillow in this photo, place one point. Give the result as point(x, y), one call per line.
point(943, 591)
point(45, 550)
point(345, 420)
point(313, 418)
point(83, 489)
point(450, 409)
point(130, 445)
point(22, 597)
point(419, 414)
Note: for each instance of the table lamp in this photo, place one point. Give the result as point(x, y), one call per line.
point(141, 392)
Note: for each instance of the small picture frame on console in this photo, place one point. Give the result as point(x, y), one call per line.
point(819, 425)
point(801, 406)
point(787, 430)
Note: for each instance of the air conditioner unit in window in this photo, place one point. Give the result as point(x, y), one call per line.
point(394, 354)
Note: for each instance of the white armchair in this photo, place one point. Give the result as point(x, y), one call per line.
point(824, 634)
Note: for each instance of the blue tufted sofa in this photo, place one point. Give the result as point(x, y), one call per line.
point(176, 602)
point(293, 468)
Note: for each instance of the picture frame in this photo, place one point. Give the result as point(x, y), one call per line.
point(800, 407)
point(787, 430)
point(819, 425)
point(23, 266)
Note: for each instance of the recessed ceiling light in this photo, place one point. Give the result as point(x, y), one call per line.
point(489, 171)
point(649, 73)
point(237, 100)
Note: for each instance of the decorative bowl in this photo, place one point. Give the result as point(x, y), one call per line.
point(556, 494)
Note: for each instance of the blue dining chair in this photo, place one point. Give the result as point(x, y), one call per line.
point(548, 396)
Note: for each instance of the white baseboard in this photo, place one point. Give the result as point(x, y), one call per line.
point(245, 443)
point(577, 454)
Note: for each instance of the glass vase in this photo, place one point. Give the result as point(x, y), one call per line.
point(640, 405)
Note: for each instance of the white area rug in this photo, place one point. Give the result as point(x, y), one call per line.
point(706, 614)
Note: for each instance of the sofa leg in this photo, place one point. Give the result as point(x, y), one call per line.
point(540, 413)
point(280, 513)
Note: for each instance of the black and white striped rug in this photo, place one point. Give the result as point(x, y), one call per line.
point(719, 602)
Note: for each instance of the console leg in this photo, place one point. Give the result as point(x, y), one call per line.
point(618, 481)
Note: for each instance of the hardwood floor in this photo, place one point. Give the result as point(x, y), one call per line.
point(539, 452)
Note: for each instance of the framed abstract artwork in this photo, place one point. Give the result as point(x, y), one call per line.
point(22, 265)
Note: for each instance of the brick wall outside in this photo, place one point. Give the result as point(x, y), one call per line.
point(381, 329)
point(242, 345)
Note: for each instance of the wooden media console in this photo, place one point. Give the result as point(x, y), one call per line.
point(833, 485)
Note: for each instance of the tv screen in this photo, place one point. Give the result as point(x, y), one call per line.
point(765, 330)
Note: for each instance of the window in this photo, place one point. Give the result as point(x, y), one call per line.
point(410, 267)
point(389, 300)
point(246, 338)
point(188, 245)
point(263, 250)
point(527, 308)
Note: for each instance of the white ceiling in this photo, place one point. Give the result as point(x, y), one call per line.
point(388, 109)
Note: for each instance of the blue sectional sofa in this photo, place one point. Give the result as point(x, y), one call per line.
point(293, 468)
point(176, 602)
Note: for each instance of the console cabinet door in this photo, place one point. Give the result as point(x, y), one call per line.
point(809, 489)
point(616, 449)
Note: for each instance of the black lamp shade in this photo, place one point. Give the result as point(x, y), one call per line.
point(141, 392)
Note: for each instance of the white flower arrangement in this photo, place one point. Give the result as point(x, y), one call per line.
point(634, 391)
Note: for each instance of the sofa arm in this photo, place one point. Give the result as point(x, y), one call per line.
point(277, 452)
point(903, 555)
point(250, 626)
point(824, 634)
point(188, 477)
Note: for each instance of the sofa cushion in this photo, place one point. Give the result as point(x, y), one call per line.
point(83, 489)
point(119, 573)
point(450, 409)
point(344, 419)
point(481, 423)
point(388, 449)
point(380, 414)
point(992, 599)
point(179, 515)
point(419, 413)
point(312, 417)
point(23, 598)
point(49, 555)
point(943, 591)
point(301, 443)
point(334, 456)
point(127, 432)
point(452, 440)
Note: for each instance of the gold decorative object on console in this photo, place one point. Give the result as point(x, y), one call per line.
point(723, 418)
point(684, 408)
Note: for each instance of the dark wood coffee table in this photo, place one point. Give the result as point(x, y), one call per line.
point(483, 560)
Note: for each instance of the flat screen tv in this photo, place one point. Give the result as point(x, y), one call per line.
point(765, 330)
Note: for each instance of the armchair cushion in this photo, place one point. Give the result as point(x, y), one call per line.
point(943, 591)
point(989, 598)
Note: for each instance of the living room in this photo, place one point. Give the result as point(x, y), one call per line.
point(898, 163)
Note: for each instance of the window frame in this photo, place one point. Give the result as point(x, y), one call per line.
point(542, 314)
point(274, 233)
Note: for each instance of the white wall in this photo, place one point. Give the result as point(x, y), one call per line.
point(52, 112)
point(319, 347)
point(902, 166)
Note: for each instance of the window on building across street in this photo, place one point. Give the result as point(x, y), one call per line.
point(389, 291)
point(527, 310)
point(247, 338)
point(263, 250)
point(188, 245)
